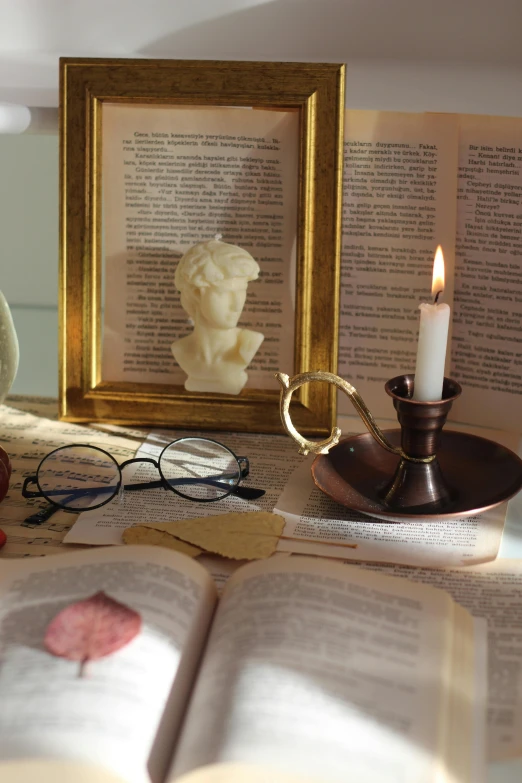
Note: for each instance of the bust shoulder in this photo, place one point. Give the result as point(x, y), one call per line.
point(248, 343)
point(183, 347)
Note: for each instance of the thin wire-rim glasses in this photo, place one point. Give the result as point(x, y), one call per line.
point(204, 478)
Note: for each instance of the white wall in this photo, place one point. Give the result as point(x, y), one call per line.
point(29, 255)
point(409, 55)
point(34, 32)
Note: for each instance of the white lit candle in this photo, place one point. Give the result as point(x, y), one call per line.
point(433, 338)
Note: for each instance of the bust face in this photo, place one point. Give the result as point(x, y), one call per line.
point(221, 305)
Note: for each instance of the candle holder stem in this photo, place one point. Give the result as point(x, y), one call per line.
point(419, 486)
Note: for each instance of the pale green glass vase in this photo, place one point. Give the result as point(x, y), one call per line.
point(9, 351)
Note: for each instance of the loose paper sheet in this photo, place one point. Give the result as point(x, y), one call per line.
point(176, 176)
point(272, 460)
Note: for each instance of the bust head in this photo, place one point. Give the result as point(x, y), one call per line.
point(213, 277)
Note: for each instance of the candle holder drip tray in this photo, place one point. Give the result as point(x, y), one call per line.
point(479, 474)
point(419, 472)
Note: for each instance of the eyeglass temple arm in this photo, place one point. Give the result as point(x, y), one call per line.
point(244, 492)
point(30, 493)
point(244, 465)
point(249, 493)
point(41, 516)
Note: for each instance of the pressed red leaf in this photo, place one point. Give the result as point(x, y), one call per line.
point(92, 628)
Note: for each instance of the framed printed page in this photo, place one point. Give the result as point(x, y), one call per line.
point(206, 161)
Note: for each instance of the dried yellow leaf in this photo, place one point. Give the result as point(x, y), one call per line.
point(140, 534)
point(251, 535)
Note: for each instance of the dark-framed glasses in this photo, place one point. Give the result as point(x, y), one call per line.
point(80, 476)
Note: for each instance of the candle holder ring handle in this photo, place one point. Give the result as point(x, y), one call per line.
point(290, 385)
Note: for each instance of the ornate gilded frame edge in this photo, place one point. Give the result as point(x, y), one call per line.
point(317, 90)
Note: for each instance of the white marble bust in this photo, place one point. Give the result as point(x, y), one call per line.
point(213, 277)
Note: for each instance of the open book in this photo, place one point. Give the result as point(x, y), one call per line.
point(411, 182)
point(305, 670)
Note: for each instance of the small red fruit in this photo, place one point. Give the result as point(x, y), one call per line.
point(4, 480)
point(4, 457)
point(3, 538)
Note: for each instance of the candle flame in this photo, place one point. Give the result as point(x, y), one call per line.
point(437, 285)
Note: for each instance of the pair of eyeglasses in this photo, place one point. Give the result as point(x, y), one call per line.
point(80, 476)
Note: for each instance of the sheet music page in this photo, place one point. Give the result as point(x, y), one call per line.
point(487, 320)
point(176, 176)
point(491, 591)
point(124, 713)
point(399, 203)
point(274, 689)
point(272, 459)
point(316, 525)
point(30, 430)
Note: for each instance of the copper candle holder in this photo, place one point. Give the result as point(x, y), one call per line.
point(418, 472)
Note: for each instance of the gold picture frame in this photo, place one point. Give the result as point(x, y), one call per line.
point(316, 93)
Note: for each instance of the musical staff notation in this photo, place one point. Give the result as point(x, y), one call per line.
point(30, 431)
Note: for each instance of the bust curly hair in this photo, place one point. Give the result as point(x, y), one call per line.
point(211, 263)
point(213, 277)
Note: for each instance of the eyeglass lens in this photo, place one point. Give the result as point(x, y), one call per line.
point(78, 477)
point(200, 469)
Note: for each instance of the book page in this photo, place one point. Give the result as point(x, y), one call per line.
point(124, 713)
point(487, 320)
point(459, 724)
point(312, 666)
point(272, 459)
point(53, 771)
point(399, 202)
point(241, 773)
point(479, 742)
point(176, 176)
point(491, 591)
